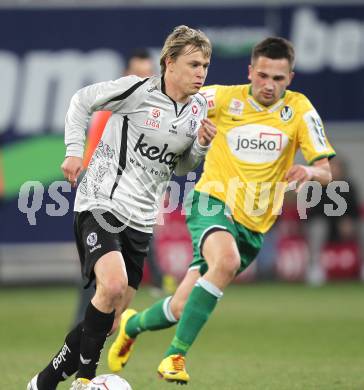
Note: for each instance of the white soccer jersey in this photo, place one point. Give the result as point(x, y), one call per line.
point(147, 138)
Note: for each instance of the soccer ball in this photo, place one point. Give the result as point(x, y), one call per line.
point(108, 382)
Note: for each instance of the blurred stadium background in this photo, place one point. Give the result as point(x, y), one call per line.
point(49, 49)
point(47, 53)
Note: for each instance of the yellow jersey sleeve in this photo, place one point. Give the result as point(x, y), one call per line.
point(312, 139)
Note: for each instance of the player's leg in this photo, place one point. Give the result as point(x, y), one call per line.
point(62, 365)
point(164, 313)
point(129, 295)
point(122, 342)
point(84, 298)
point(135, 247)
point(111, 285)
point(223, 259)
point(161, 315)
point(65, 361)
point(103, 261)
point(227, 253)
point(213, 235)
point(222, 255)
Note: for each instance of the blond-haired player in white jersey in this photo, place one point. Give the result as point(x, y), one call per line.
point(251, 161)
point(158, 127)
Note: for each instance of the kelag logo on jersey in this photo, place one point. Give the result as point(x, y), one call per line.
point(155, 153)
point(256, 143)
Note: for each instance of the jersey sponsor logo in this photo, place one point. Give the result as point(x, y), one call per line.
point(192, 128)
point(209, 95)
point(156, 113)
point(316, 130)
point(61, 357)
point(152, 88)
point(154, 153)
point(91, 239)
point(173, 129)
point(286, 113)
point(257, 143)
point(84, 361)
point(154, 124)
point(94, 248)
point(236, 107)
point(154, 118)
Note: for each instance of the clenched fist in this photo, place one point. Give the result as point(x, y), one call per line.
point(72, 167)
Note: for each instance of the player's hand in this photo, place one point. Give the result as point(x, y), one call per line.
point(206, 132)
point(72, 167)
point(299, 174)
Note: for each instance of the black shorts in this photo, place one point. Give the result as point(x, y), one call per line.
point(94, 241)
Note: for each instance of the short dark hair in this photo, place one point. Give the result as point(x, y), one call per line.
point(274, 48)
point(140, 53)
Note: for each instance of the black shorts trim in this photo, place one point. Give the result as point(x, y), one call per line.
point(93, 241)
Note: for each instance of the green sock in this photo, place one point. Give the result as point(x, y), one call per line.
point(156, 317)
point(199, 306)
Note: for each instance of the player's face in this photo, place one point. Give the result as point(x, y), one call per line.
point(269, 79)
point(188, 71)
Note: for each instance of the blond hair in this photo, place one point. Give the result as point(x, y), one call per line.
point(181, 37)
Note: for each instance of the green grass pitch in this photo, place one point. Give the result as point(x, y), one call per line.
point(261, 336)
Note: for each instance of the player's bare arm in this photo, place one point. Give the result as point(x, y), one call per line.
point(72, 167)
point(206, 132)
point(320, 171)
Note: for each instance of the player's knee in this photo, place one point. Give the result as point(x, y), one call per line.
point(228, 265)
point(115, 288)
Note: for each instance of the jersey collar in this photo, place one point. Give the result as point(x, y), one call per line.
point(178, 107)
point(259, 107)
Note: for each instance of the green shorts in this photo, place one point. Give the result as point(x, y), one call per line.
point(206, 214)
